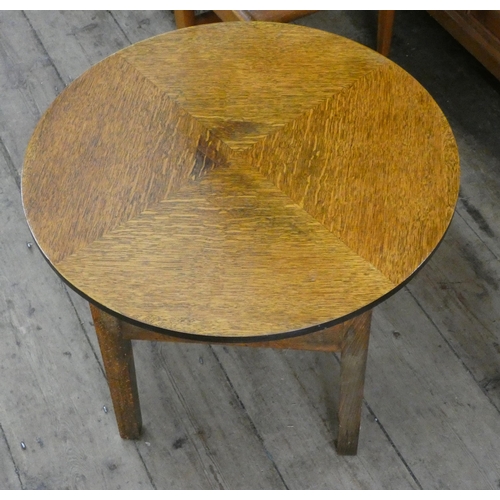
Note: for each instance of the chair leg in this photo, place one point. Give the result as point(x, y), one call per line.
point(187, 18)
point(352, 379)
point(384, 32)
point(118, 361)
point(184, 18)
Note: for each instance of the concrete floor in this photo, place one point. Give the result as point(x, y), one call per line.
point(218, 418)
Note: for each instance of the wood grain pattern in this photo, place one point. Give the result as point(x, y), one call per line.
point(271, 73)
point(164, 137)
point(378, 169)
point(247, 201)
point(259, 264)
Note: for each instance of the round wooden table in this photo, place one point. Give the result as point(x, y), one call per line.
point(239, 182)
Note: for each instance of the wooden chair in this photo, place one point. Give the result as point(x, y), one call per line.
point(186, 18)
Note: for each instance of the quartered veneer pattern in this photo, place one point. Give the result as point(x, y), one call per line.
point(240, 180)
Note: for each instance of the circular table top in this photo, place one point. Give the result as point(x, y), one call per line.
point(240, 180)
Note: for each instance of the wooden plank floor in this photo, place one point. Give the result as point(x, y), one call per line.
point(235, 418)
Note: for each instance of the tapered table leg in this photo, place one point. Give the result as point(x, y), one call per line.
point(118, 361)
point(352, 378)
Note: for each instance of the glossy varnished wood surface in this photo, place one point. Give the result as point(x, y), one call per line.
point(297, 182)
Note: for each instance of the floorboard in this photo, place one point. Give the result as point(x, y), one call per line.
point(28, 84)
point(75, 40)
point(9, 478)
point(459, 292)
point(287, 416)
point(439, 419)
point(139, 25)
point(190, 408)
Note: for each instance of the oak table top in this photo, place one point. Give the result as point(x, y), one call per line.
point(240, 180)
